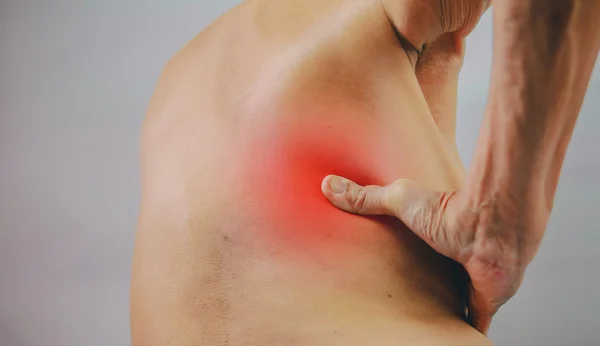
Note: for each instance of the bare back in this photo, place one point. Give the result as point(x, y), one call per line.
point(236, 243)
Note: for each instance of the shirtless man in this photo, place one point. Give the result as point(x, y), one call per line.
point(237, 244)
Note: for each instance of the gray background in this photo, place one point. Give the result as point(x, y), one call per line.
point(75, 80)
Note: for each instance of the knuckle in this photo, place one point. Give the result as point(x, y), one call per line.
point(396, 192)
point(359, 199)
point(401, 184)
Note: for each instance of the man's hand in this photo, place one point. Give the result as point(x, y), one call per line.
point(486, 238)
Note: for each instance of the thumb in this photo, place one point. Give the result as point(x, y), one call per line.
point(419, 208)
point(353, 198)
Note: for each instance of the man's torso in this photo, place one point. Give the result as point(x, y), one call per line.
point(236, 244)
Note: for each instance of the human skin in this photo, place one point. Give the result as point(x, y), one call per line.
point(236, 243)
point(544, 54)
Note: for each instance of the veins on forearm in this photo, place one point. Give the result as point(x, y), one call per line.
point(544, 52)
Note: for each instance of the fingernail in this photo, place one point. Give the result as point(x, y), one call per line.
point(337, 184)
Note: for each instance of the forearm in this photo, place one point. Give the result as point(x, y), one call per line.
point(544, 52)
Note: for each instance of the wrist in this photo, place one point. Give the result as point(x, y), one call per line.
point(510, 185)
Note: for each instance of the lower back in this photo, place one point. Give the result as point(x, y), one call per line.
point(237, 245)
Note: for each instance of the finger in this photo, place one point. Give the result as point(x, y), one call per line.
point(353, 198)
point(419, 208)
point(413, 204)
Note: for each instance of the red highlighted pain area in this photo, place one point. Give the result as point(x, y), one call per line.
point(282, 174)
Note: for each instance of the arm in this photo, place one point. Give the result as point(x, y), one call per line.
point(544, 53)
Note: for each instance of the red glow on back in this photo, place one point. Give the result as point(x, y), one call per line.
point(283, 171)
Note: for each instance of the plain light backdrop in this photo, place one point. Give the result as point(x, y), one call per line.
point(75, 81)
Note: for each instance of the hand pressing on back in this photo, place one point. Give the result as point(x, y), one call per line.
point(493, 242)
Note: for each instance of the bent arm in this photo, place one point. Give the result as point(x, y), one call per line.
point(544, 53)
